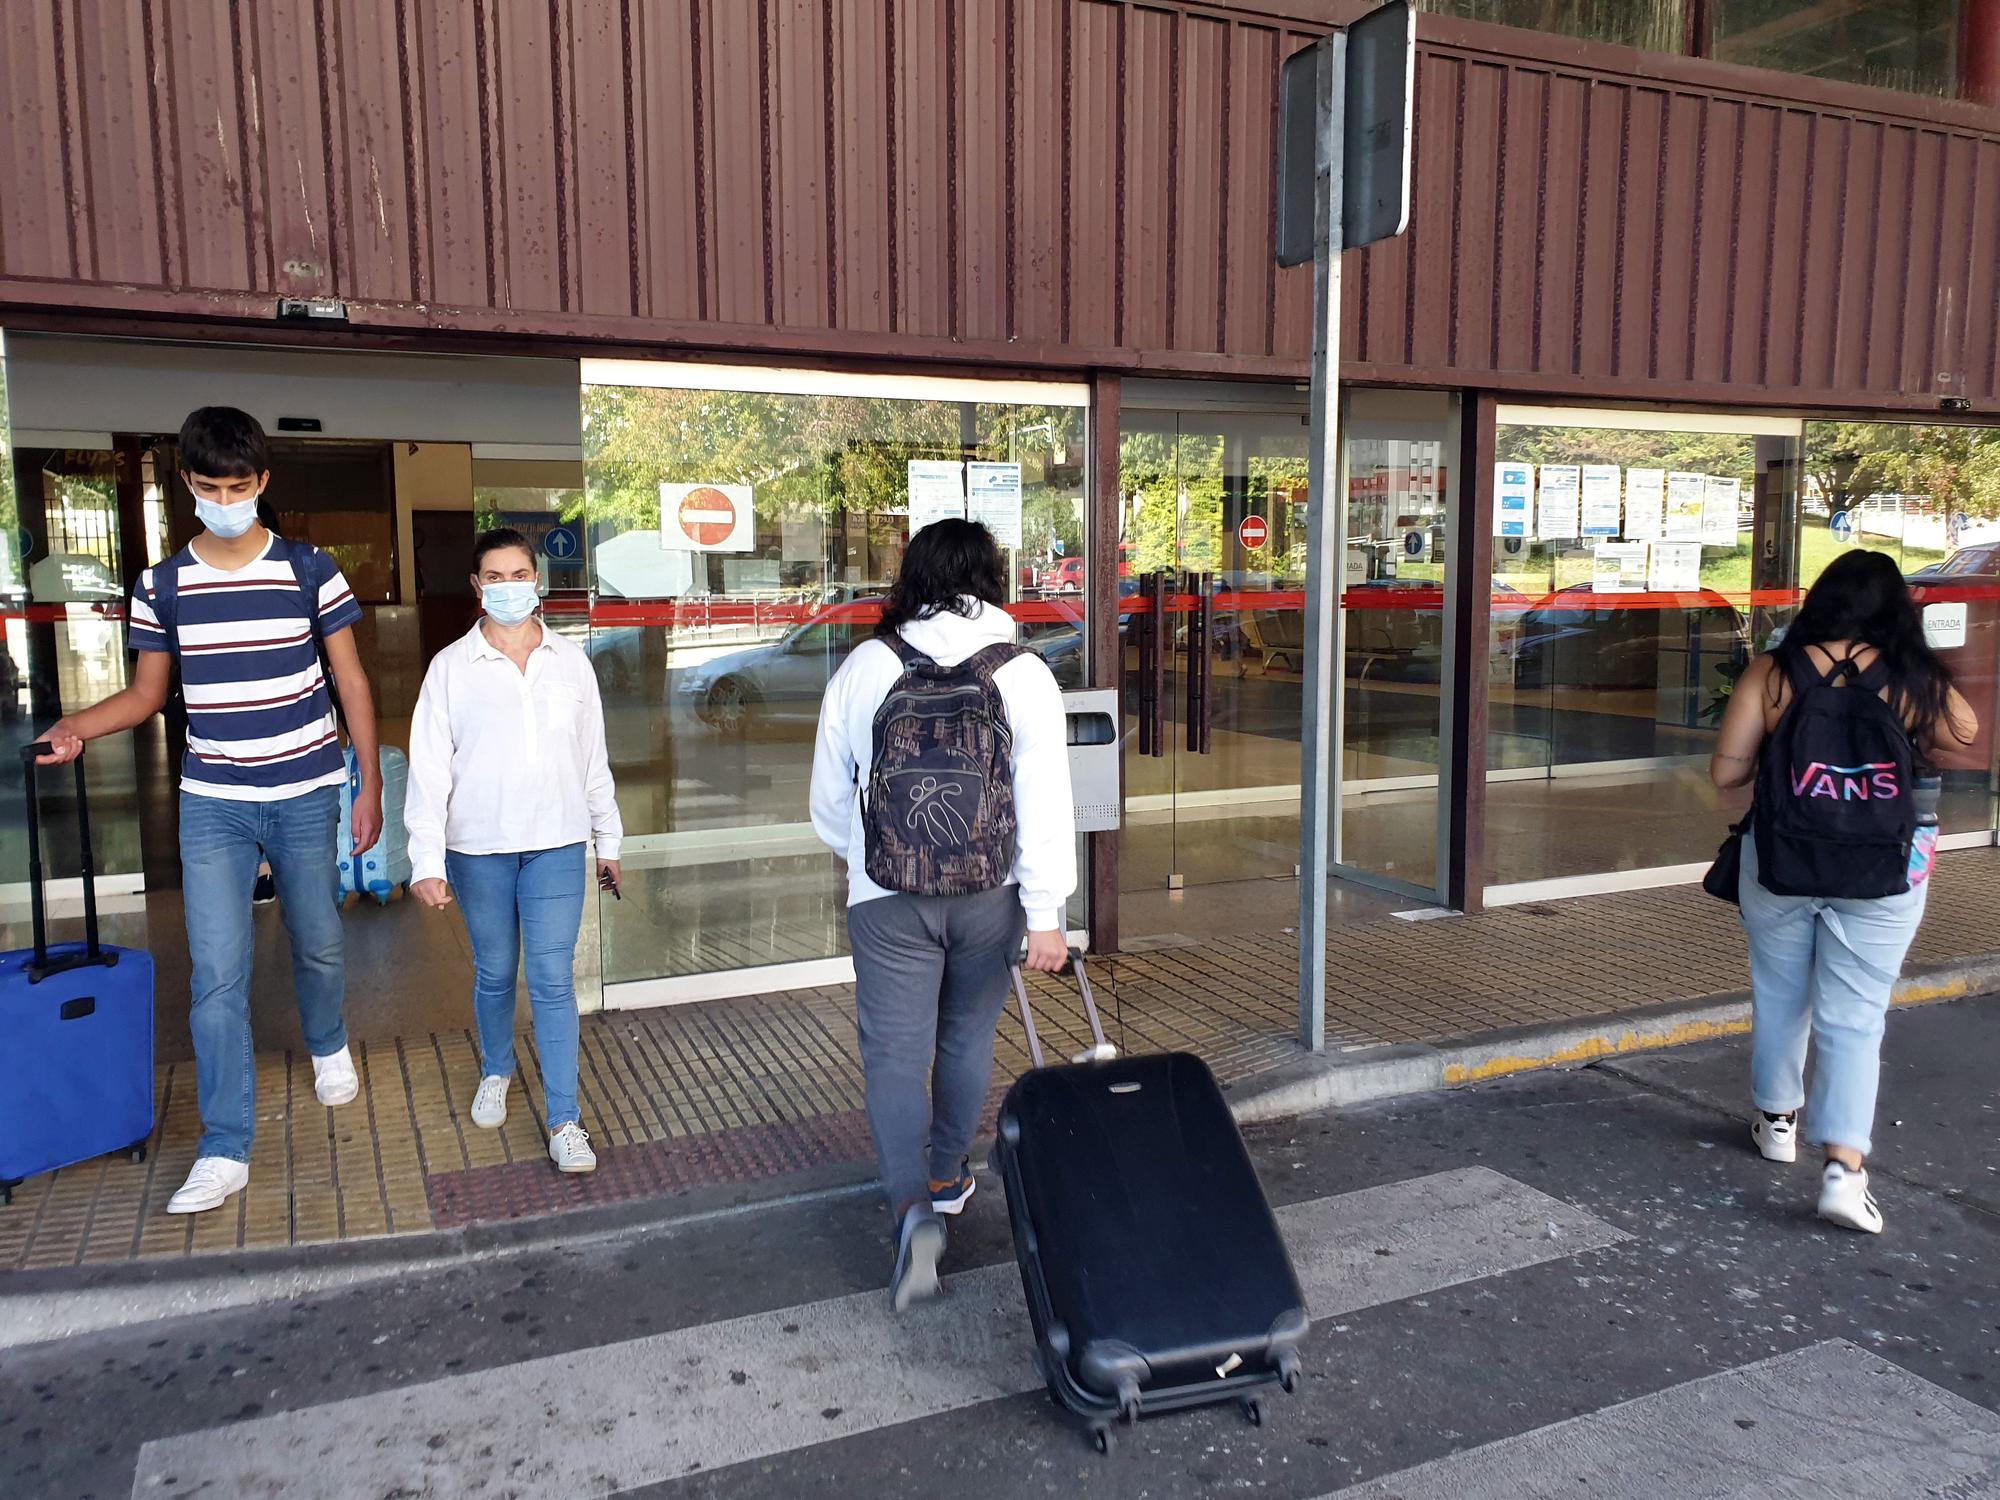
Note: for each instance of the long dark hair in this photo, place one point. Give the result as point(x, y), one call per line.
point(1862, 598)
point(950, 567)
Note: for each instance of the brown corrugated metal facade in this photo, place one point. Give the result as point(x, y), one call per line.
point(1074, 184)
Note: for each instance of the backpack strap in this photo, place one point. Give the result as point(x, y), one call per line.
point(298, 556)
point(907, 654)
point(166, 601)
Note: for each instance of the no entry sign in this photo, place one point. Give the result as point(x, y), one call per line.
point(1253, 532)
point(707, 517)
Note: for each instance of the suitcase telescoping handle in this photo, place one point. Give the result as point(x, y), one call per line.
point(93, 952)
point(1102, 1051)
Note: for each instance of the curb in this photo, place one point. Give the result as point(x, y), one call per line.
point(40, 1306)
point(1338, 1080)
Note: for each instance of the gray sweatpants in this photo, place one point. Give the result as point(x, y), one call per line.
point(930, 982)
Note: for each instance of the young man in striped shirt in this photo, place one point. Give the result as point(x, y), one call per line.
point(246, 614)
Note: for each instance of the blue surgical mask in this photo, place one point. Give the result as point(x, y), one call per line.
point(509, 603)
point(226, 518)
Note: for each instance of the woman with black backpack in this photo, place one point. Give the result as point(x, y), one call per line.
point(941, 775)
point(1842, 728)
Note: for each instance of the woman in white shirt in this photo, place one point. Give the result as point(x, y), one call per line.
point(508, 781)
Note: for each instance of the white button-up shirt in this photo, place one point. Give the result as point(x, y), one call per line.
point(504, 761)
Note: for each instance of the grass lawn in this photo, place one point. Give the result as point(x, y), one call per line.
point(1729, 572)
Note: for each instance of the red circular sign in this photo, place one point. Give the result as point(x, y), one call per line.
point(1253, 532)
point(708, 516)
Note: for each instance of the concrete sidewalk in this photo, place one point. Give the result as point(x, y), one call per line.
point(767, 1090)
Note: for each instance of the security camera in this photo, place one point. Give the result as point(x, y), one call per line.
point(1955, 403)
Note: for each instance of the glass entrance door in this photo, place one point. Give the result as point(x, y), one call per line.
point(1213, 548)
point(1213, 515)
point(1394, 665)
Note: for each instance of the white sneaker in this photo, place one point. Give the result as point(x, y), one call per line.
point(489, 1105)
point(569, 1149)
point(209, 1185)
point(334, 1078)
point(1777, 1139)
point(1844, 1199)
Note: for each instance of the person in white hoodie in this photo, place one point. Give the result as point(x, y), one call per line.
point(941, 776)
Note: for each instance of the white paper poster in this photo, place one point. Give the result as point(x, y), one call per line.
point(1675, 568)
point(1645, 504)
point(1719, 501)
point(1621, 568)
point(1601, 500)
point(707, 518)
point(937, 491)
point(1687, 495)
point(993, 498)
point(1557, 518)
point(1513, 500)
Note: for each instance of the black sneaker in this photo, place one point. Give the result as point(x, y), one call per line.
point(265, 891)
point(952, 1196)
point(919, 1248)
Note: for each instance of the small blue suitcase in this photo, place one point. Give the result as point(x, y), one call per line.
point(76, 1032)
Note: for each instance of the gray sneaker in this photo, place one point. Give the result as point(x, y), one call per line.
point(919, 1248)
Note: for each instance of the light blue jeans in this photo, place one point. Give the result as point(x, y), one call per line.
point(525, 903)
point(221, 844)
point(1822, 970)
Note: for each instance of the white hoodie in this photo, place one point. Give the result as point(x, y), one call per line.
point(1045, 840)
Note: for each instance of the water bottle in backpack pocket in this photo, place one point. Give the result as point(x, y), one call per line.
point(938, 815)
point(1836, 808)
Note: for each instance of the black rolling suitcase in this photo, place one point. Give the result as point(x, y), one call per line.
point(1155, 1274)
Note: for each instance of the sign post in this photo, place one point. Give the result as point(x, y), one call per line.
point(1344, 182)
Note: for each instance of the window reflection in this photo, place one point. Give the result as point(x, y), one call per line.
point(1656, 25)
point(1644, 571)
point(1899, 44)
point(739, 544)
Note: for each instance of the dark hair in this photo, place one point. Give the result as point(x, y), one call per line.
point(499, 539)
point(948, 567)
point(220, 442)
point(1862, 598)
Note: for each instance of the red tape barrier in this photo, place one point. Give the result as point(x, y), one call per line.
point(1068, 610)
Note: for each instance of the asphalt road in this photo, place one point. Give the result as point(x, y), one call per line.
point(1579, 1283)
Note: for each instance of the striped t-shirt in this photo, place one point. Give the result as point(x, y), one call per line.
point(260, 720)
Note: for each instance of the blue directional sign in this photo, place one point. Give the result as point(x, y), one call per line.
point(1414, 543)
point(561, 543)
point(24, 542)
point(1955, 528)
point(1842, 526)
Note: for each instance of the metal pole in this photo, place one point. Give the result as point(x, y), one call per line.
point(1325, 572)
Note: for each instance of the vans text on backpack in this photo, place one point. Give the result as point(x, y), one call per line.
point(1836, 803)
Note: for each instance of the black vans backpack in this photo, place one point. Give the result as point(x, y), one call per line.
point(1836, 807)
point(938, 816)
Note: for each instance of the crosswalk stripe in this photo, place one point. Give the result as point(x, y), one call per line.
point(598, 1420)
point(1827, 1422)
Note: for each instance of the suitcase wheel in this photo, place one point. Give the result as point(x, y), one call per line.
point(136, 1151)
point(1254, 1410)
point(1100, 1439)
point(7, 1192)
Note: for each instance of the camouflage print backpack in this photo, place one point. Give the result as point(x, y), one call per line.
point(938, 815)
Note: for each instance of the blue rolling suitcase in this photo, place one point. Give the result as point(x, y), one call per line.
point(76, 1032)
point(378, 872)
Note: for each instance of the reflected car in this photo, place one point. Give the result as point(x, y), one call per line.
point(783, 682)
point(1579, 638)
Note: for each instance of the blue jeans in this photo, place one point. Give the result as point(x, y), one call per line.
point(531, 902)
point(222, 843)
point(1822, 970)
